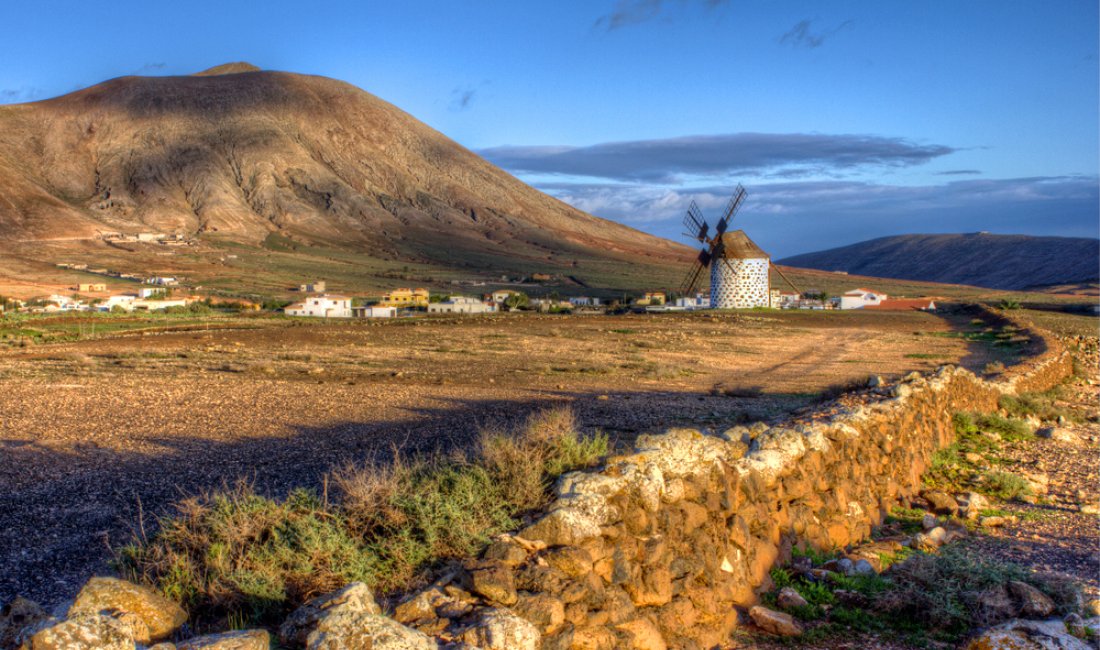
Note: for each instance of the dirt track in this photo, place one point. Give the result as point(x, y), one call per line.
point(96, 434)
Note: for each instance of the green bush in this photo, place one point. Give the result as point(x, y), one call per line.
point(239, 557)
point(1005, 485)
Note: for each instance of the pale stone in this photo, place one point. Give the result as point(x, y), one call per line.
point(641, 634)
point(502, 629)
point(355, 598)
point(1027, 635)
point(775, 622)
point(788, 598)
point(1032, 602)
point(236, 640)
point(20, 619)
point(83, 632)
point(159, 615)
point(360, 631)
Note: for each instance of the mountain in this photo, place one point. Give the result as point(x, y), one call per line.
point(282, 167)
point(978, 259)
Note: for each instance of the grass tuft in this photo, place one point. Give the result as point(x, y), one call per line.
point(241, 558)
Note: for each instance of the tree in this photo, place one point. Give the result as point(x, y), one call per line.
point(517, 300)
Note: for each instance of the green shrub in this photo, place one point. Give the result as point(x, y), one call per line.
point(1040, 405)
point(1005, 485)
point(239, 557)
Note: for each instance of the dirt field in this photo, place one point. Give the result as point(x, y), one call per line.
point(99, 435)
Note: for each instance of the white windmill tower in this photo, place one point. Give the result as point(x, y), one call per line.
point(739, 269)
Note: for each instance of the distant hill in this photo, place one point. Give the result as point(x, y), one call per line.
point(978, 259)
point(296, 177)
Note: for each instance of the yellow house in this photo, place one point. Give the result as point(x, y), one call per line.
point(97, 286)
point(405, 298)
point(656, 298)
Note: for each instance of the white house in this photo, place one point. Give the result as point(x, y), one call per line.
point(375, 311)
point(860, 298)
point(500, 296)
point(461, 305)
point(146, 292)
point(156, 305)
point(700, 301)
point(784, 299)
point(122, 301)
point(163, 281)
point(326, 306)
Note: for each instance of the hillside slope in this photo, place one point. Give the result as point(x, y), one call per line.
point(979, 259)
point(236, 155)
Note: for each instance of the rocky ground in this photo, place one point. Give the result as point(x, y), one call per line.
point(1053, 530)
point(97, 437)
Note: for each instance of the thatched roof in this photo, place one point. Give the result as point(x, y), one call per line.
point(736, 245)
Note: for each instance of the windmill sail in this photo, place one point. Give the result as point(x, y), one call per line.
point(731, 208)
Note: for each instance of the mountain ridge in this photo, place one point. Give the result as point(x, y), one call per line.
point(240, 154)
point(978, 259)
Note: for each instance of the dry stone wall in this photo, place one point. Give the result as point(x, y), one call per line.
point(659, 547)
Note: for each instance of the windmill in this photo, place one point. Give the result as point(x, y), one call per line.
point(738, 267)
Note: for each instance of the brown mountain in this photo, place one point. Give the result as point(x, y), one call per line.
point(281, 163)
point(978, 259)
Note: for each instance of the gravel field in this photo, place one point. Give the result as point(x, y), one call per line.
point(97, 437)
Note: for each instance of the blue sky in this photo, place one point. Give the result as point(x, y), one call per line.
point(845, 120)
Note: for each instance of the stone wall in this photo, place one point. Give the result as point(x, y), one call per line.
point(658, 547)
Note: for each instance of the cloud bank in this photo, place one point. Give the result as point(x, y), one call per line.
point(762, 154)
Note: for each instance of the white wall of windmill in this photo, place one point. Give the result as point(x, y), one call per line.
point(739, 283)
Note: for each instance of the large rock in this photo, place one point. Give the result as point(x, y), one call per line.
point(361, 631)
point(501, 629)
point(1027, 635)
point(19, 620)
point(942, 503)
point(1032, 603)
point(85, 632)
point(159, 615)
point(495, 582)
point(640, 634)
point(789, 599)
point(236, 640)
point(775, 622)
point(355, 598)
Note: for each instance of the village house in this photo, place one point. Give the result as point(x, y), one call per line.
point(784, 299)
point(149, 292)
point(651, 298)
point(461, 305)
point(324, 306)
point(406, 298)
point(860, 298)
point(500, 296)
point(124, 301)
point(698, 301)
point(85, 287)
point(374, 311)
point(584, 301)
point(163, 281)
point(314, 287)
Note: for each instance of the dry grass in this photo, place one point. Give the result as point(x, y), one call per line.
point(239, 556)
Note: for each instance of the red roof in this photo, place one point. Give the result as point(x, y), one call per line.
point(898, 304)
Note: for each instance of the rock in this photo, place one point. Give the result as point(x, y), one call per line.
point(972, 458)
point(641, 634)
point(1032, 602)
point(1075, 625)
point(84, 632)
point(507, 553)
point(418, 608)
point(159, 615)
point(875, 381)
point(19, 620)
point(1061, 434)
point(788, 598)
point(495, 582)
point(573, 561)
point(774, 622)
point(544, 610)
point(355, 598)
point(501, 629)
point(862, 568)
point(1092, 608)
point(995, 521)
point(929, 521)
point(1089, 509)
point(361, 631)
point(1026, 635)
point(938, 535)
point(971, 504)
point(941, 503)
point(844, 565)
point(235, 640)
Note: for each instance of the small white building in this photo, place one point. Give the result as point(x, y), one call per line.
point(156, 305)
point(584, 301)
point(163, 281)
point(326, 306)
point(124, 301)
point(374, 311)
point(461, 305)
point(860, 298)
point(148, 292)
point(784, 299)
point(500, 296)
point(700, 301)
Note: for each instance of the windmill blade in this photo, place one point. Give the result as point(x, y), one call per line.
point(732, 207)
point(695, 224)
point(785, 278)
point(692, 278)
